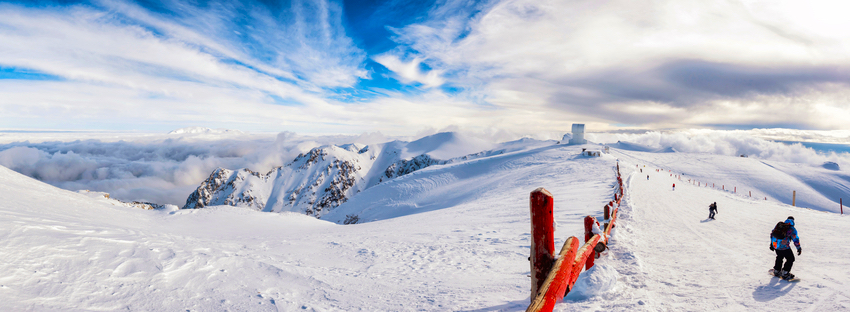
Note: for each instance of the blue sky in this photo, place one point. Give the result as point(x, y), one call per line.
point(404, 67)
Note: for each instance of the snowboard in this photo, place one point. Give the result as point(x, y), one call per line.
point(793, 280)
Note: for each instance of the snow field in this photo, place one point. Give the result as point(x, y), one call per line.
point(445, 238)
point(817, 187)
point(671, 257)
point(461, 244)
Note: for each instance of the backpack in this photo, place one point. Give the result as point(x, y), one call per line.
point(780, 230)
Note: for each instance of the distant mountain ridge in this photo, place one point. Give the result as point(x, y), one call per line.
point(318, 181)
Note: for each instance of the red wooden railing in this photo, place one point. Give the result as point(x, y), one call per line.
point(562, 272)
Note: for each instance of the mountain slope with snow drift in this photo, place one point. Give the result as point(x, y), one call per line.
point(318, 181)
point(68, 251)
point(451, 237)
point(668, 256)
point(816, 187)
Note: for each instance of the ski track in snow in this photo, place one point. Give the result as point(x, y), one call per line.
point(458, 240)
point(673, 258)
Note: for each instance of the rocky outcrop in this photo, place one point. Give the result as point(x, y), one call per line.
point(406, 166)
point(226, 187)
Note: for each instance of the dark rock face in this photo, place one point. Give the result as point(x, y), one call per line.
point(403, 167)
point(223, 187)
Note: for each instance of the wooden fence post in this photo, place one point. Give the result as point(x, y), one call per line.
point(794, 199)
point(542, 237)
point(588, 234)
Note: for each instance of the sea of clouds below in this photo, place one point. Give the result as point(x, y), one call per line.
point(165, 169)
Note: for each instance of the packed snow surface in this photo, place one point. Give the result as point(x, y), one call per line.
point(451, 237)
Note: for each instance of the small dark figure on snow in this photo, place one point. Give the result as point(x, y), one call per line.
point(647, 177)
point(674, 186)
point(712, 209)
point(780, 242)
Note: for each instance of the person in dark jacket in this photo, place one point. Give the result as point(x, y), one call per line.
point(782, 247)
point(712, 209)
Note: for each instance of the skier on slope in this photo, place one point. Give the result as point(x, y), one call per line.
point(712, 209)
point(674, 186)
point(780, 242)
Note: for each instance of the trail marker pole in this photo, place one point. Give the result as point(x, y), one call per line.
point(751, 193)
point(841, 202)
point(794, 199)
point(542, 237)
point(736, 190)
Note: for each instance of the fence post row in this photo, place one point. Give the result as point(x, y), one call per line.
point(552, 279)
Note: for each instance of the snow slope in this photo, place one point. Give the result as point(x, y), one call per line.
point(817, 187)
point(445, 238)
point(67, 251)
point(670, 257)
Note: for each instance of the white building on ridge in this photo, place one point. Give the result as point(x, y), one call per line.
point(578, 134)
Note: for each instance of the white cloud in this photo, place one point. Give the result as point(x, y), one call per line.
point(736, 142)
point(125, 65)
point(525, 66)
point(410, 71)
point(713, 63)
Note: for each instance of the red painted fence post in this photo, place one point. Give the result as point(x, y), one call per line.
point(542, 237)
point(588, 234)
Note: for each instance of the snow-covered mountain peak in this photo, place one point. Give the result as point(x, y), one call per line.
point(446, 145)
point(313, 183)
point(319, 180)
point(354, 147)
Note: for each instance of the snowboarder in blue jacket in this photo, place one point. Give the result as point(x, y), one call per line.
point(781, 244)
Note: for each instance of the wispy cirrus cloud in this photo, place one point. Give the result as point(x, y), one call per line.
point(322, 66)
point(116, 54)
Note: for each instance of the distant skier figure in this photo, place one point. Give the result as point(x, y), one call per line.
point(641, 170)
point(780, 242)
point(712, 209)
point(647, 177)
point(674, 186)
